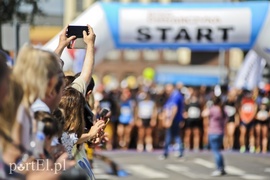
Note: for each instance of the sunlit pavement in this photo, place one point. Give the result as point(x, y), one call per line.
point(129, 165)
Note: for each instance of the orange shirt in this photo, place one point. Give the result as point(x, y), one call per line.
point(248, 110)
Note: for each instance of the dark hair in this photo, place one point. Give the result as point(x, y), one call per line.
point(217, 101)
point(69, 80)
point(3, 66)
point(60, 82)
point(52, 126)
point(90, 86)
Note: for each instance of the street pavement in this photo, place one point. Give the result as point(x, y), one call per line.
point(131, 165)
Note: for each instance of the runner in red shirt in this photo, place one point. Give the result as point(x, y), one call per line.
point(247, 112)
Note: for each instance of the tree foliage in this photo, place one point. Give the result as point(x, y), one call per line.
point(10, 8)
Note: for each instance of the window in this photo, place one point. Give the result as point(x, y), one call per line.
point(170, 55)
point(184, 56)
point(113, 55)
point(131, 55)
point(150, 55)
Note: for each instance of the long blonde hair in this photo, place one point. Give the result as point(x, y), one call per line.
point(33, 70)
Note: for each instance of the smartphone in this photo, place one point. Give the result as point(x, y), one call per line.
point(103, 113)
point(74, 30)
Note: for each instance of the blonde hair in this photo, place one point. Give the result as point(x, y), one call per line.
point(33, 70)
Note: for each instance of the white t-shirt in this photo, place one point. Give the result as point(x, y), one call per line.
point(25, 119)
point(39, 105)
point(146, 109)
point(80, 85)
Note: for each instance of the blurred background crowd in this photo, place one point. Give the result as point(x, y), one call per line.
point(50, 108)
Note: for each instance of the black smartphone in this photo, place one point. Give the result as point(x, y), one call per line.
point(103, 113)
point(77, 31)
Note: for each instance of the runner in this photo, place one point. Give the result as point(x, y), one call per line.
point(247, 112)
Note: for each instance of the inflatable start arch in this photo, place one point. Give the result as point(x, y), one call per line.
point(198, 26)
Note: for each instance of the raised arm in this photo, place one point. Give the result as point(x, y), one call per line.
point(89, 59)
point(63, 42)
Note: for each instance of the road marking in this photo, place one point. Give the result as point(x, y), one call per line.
point(234, 170)
point(253, 177)
point(146, 172)
point(183, 170)
point(176, 168)
point(267, 170)
point(229, 169)
point(98, 171)
point(102, 177)
point(204, 163)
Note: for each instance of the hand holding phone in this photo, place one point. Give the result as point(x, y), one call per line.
point(103, 115)
point(78, 42)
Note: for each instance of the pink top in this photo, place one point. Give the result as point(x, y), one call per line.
point(216, 120)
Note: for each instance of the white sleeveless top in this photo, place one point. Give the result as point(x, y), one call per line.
point(145, 109)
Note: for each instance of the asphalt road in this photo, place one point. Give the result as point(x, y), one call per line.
point(132, 165)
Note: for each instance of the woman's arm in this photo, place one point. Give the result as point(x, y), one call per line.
point(63, 42)
point(93, 132)
point(89, 59)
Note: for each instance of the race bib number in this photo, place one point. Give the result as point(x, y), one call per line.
point(230, 110)
point(194, 112)
point(262, 115)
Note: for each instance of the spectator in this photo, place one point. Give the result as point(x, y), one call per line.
point(217, 121)
point(37, 72)
point(73, 136)
point(52, 128)
point(4, 87)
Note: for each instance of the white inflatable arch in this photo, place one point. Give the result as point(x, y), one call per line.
point(198, 26)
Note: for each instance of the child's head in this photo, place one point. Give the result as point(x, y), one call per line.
point(52, 126)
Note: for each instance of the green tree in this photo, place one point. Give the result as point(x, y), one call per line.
point(9, 9)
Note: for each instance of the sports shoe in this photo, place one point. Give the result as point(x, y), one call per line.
point(149, 147)
point(140, 147)
point(178, 154)
point(258, 150)
point(218, 173)
point(242, 149)
point(252, 149)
